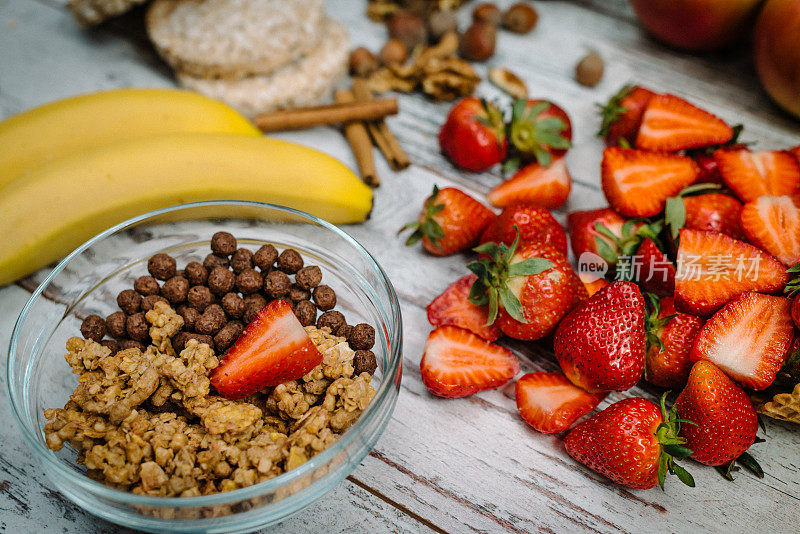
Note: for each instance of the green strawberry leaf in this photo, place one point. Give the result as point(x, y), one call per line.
point(663, 460)
point(678, 451)
point(683, 475)
point(747, 461)
point(512, 305)
point(675, 215)
point(414, 238)
point(492, 306)
point(528, 267)
point(613, 110)
point(604, 250)
point(727, 469)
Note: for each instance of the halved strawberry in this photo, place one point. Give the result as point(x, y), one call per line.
point(749, 339)
point(714, 268)
point(638, 183)
point(622, 115)
point(670, 123)
point(457, 363)
point(773, 224)
point(545, 186)
point(453, 308)
point(539, 131)
point(670, 336)
point(550, 403)
point(754, 174)
point(274, 348)
point(450, 221)
point(534, 223)
point(656, 273)
point(605, 233)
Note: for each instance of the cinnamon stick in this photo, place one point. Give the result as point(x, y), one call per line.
point(358, 139)
point(300, 118)
point(381, 134)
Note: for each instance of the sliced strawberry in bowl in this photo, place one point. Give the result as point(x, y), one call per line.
point(274, 348)
point(670, 123)
point(533, 222)
point(749, 339)
point(550, 403)
point(452, 307)
point(457, 363)
point(714, 268)
point(670, 336)
point(622, 115)
point(773, 224)
point(754, 174)
point(546, 186)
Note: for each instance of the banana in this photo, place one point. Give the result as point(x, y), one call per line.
point(61, 204)
point(75, 124)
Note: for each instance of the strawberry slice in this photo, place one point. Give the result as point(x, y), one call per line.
point(622, 115)
point(714, 268)
point(638, 183)
point(453, 308)
point(534, 223)
point(657, 273)
point(773, 224)
point(274, 348)
point(550, 403)
point(670, 123)
point(754, 174)
point(749, 339)
point(457, 363)
point(545, 186)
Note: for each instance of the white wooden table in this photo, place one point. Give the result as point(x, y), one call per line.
point(442, 465)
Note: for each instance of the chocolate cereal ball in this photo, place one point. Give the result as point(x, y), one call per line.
point(223, 244)
point(94, 328)
point(277, 284)
point(190, 316)
point(201, 338)
point(242, 259)
point(199, 297)
point(175, 289)
point(126, 344)
point(196, 273)
point(265, 257)
point(233, 305)
point(213, 261)
point(344, 331)
point(249, 281)
point(308, 277)
point(111, 345)
point(306, 312)
point(115, 324)
point(137, 327)
point(290, 261)
point(211, 321)
point(146, 285)
point(162, 266)
point(227, 335)
point(252, 305)
point(331, 319)
point(362, 337)
point(324, 297)
point(129, 301)
point(297, 294)
point(221, 280)
point(150, 301)
point(364, 361)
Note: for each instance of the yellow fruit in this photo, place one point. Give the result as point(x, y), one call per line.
point(60, 205)
point(64, 127)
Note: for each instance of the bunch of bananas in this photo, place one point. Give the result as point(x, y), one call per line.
point(72, 168)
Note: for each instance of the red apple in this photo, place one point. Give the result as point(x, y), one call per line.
point(776, 49)
point(697, 25)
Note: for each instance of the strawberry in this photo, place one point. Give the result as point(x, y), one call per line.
point(749, 339)
point(274, 348)
point(593, 285)
point(670, 335)
point(656, 273)
point(710, 211)
point(534, 223)
point(754, 174)
point(622, 115)
point(773, 224)
point(714, 268)
point(638, 183)
point(796, 311)
point(709, 170)
point(473, 135)
point(633, 442)
point(453, 308)
point(725, 421)
point(457, 363)
point(550, 403)
point(601, 343)
point(528, 288)
point(539, 130)
point(545, 186)
point(796, 152)
point(670, 123)
point(604, 233)
point(450, 221)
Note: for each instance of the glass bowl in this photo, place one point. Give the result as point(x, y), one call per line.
point(88, 280)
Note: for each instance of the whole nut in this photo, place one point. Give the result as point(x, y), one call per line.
point(394, 52)
point(441, 23)
point(520, 18)
point(487, 13)
point(407, 27)
point(362, 62)
point(477, 43)
point(589, 70)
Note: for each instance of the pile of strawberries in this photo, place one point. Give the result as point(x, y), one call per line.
point(701, 241)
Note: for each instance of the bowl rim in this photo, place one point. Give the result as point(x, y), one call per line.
point(352, 434)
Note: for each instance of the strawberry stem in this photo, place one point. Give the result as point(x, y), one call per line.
point(675, 209)
point(532, 135)
point(672, 445)
point(428, 227)
point(612, 110)
point(792, 288)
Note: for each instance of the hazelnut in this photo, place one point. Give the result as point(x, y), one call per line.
point(487, 13)
point(394, 52)
point(265, 257)
point(362, 62)
point(407, 27)
point(364, 361)
point(520, 18)
point(129, 301)
point(150, 300)
point(196, 273)
point(223, 244)
point(589, 70)
point(94, 328)
point(146, 285)
point(290, 261)
point(477, 43)
point(115, 324)
point(161, 266)
point(242, 259)
point(441, 23)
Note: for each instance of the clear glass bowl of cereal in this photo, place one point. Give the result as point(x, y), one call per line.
point(184, 459)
